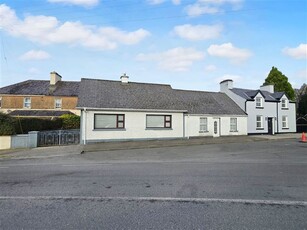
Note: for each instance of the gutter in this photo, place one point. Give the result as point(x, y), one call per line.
point(132, 110)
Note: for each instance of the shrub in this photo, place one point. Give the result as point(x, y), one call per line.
point(25, 124)
point(70, 121)
point(7, 125)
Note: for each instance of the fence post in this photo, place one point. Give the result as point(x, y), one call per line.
point(32, 139)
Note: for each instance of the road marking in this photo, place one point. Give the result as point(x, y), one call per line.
point(160, 199)
point(86, 165)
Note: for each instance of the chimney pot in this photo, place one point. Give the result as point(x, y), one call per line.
point(124, 78)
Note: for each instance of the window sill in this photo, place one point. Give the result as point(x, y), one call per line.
point(284, 128)
point(234, 131)
point(110, 129)
point(260, 107)
point(285, 108)
point(204, 131)
point(158, 129)
point(259, 128)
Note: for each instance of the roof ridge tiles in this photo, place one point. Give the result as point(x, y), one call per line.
point(130, 82)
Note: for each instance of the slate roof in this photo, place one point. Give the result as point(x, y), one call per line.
point(113, 94)
point(249, 94)
point(39, 113)
point(40, 87)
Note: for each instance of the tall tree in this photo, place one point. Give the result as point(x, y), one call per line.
point(302, 105)
point(280, 82)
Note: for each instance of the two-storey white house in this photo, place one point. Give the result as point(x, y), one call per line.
point(268, 112)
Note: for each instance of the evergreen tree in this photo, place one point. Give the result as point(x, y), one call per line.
point(280, 82)
point(302, 105)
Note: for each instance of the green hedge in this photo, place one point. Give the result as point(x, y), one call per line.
point(22, 125)
point(7, 125)
point(70, 121)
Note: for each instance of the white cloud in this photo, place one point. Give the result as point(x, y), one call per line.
point(157, 2)
point(48, 30)
point(210, 68)
point(35, 55)
point(201, 7)
point(84, 3)
point(177, 59)
point(299, 52)
point(227, 50)
point(198, 32)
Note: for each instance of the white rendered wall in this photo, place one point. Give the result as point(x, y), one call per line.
point(290, 113)
point(236, 98)
point(192, 125)
point(268, 110)
point(135, 127)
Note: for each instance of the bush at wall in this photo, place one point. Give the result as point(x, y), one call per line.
point(7, 125)
point(70, 121)
point(22, 125)
point(25, 125)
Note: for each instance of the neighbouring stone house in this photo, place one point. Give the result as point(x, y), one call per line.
point(40, 98)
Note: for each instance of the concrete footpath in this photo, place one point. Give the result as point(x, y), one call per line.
point(58, 151)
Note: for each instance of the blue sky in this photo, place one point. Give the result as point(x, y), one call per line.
point(190, 44)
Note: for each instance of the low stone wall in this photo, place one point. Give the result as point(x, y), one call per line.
point(5, 142)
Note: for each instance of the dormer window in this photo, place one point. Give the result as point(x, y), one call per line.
point(284, 104)
point(259, 102)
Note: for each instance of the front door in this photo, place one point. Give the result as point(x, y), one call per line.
point(270, 126)
point(216, 127)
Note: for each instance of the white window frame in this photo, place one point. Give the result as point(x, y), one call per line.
point(56, 104)
point(119, 121)
point(203, 124)
point(27, 104)
point(233, 124)
point(259, 104)
point(167, 122)
point(259, 121)
point(284, 104)
point(284, 122)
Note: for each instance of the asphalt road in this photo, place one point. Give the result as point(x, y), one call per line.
point(257, 185)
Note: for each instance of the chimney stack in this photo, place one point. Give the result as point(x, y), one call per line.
point(225, 85)
point(268, 88)
point(124, 78)
point(54, 78)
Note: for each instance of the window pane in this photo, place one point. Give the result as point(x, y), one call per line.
point(120, 124)
point(233, 124)
point(105, 121)
point(58, 103)
point(259, 122)
point(167, 124)
point(120, 117)
point(27, 102)
point(203, 124)
point(167, 118)
point(155, 121)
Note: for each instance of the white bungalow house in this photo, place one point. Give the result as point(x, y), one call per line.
point(123, 110)
point(268, 112)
